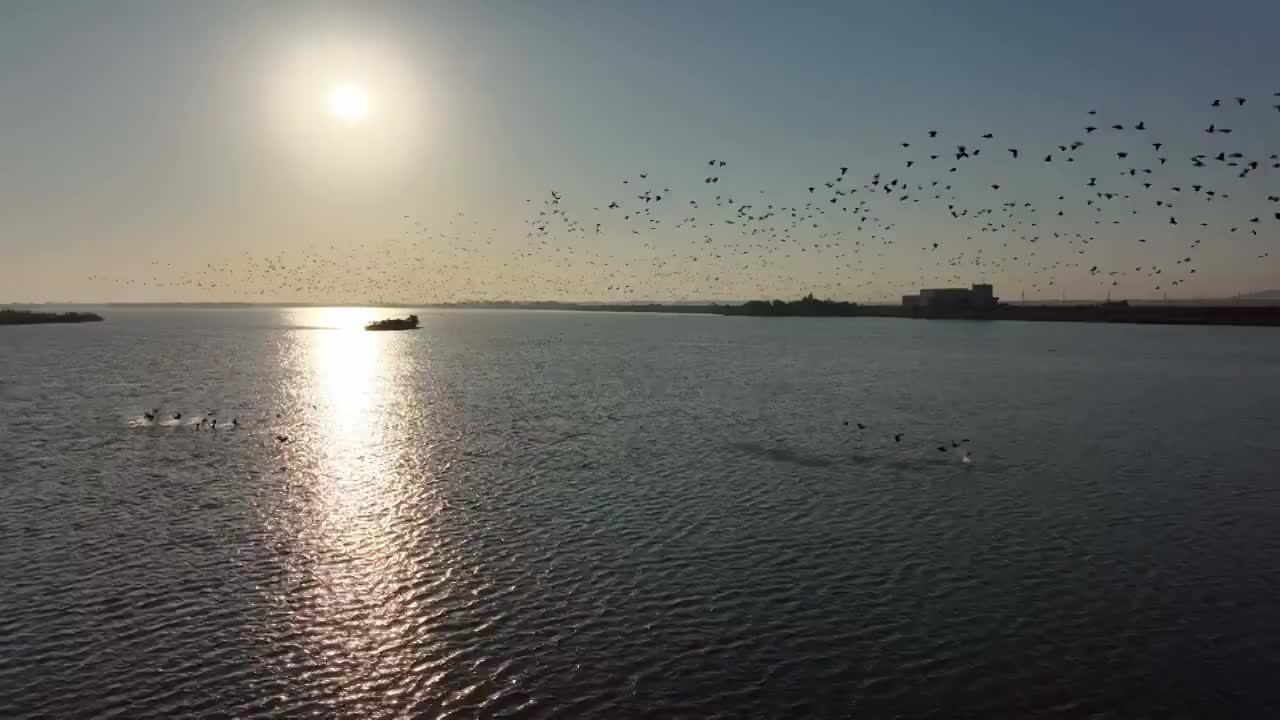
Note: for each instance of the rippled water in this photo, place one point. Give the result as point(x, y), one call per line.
point(596, 515)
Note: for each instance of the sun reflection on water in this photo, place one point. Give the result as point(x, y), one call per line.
point(355, 533)
point(346, 364)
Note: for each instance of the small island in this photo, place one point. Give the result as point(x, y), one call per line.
point(28, 317)
point(409, 323)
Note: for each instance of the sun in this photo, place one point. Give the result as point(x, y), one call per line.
point(348, 102)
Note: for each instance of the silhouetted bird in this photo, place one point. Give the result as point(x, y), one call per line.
point(1014, 152)
point(897, 437)
point(1215, 103)
point(1240, 101)
point(282, 438)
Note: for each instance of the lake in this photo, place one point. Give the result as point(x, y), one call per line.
point(562, 514)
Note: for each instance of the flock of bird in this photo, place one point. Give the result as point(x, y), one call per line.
point(966, 455)
point(208, 421)
point(950, 208)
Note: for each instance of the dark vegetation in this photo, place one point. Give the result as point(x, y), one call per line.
point(409, 323)
point(807, 306)
point(28, 317)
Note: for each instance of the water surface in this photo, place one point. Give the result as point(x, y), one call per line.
point(541, 514)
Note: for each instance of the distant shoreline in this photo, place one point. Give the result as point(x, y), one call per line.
point(27, 317)
point(1268, 299)
point(1253, 314)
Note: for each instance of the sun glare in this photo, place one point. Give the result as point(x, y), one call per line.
point(346, 112)
point(348, 102)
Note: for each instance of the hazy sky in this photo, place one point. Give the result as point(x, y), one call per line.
point(184, 150)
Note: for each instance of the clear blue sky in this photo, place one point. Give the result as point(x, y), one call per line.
point(182, 151)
